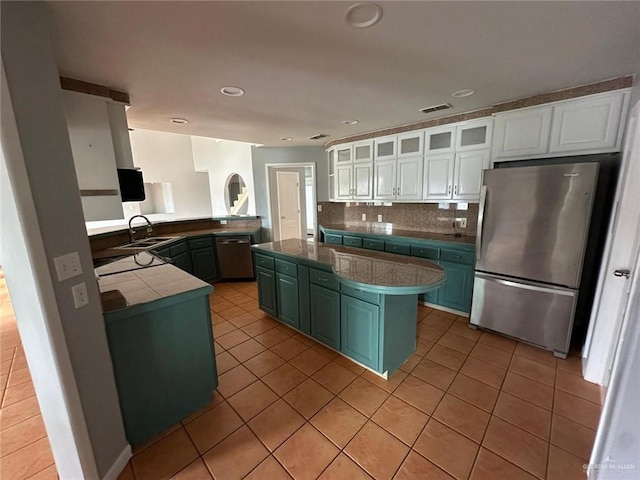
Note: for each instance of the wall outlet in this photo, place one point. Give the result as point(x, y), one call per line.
point(461, 222)
point(364, 217)
point(80, 295)
point(319, 208)
point(443, 205)
point(379, 218)
point(67, 266)
point(223, 222)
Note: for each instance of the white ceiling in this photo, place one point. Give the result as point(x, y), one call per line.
point(305, 70)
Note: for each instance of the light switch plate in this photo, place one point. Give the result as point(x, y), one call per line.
point(67, 266)
point(223, 222)
point(319, 208)
point(80, 295)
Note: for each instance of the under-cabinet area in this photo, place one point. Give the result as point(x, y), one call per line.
point(362, 304)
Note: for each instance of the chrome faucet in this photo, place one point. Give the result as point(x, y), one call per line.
point(132, 231)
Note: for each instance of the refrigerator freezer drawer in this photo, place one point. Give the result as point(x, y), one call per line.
point(534, 313)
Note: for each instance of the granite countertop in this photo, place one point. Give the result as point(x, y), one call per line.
point(135, 286)
point(374, 229)
point(367, 269)
point(228, 230)
point(123, 227)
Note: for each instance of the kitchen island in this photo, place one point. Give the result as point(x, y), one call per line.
point(160, 338)
point(360, 303)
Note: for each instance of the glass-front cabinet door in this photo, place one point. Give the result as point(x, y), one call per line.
point(386, 148)
point(411, 144)
point(363, 151)
point(440, 140)
point(474, 135)
point(343, 154)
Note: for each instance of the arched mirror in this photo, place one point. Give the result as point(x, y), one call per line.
point(236, 196)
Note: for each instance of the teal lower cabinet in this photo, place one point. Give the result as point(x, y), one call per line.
point(203, 263)
point(457, 291)
point(163, 361)
point(359, 331)
point(288, 303)
point(266, 280)
point(325, 315)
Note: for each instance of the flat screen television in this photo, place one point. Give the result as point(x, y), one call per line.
point(131, 185)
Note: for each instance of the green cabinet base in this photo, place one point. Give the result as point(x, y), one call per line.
point(164, 365)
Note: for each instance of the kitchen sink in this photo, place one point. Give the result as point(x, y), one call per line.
point(146, 243)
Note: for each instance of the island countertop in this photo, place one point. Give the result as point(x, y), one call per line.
point(369, 270)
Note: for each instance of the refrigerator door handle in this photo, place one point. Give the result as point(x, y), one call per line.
point(483, 202)
point(527, 286)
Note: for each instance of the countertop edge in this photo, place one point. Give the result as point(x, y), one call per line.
point(421, 236)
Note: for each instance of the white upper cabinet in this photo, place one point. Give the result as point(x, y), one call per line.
point(352, 171)
point(332, 173)
point(409, 178)
point(468, 174)
point(589, 124)
point(440, 140)
point(522, 133)
point(411, 144)
point(579, 126)
point(438, 176)
point(385, 179)
point(474, 134)
point(363, 151)
point(386, 148)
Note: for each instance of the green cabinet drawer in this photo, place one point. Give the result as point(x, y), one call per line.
point(360, 331)
point(430, 253)
point(178, 248)
point(201, 242)
point(288, 300)
point(287, 268)
point(264, 261)
point(373, 244)
point(399, 248)
point(457, 256)
point(333, 238)
point(357, 293)
point(325, 315)
point(266, 280)
point(324, 279)
point(352, 241)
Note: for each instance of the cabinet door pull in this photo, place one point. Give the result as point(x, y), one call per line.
point(455, 190)
point(449, 190)
point(323, 279)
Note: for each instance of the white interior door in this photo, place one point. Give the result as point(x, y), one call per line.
point(623, 245)
point(288, 192)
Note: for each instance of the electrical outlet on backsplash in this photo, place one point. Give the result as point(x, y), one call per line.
point(425, 217)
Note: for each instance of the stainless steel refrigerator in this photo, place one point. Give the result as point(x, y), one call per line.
point(533, 229)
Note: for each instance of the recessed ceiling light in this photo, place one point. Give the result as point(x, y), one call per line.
point(286, 139)
point(467, 92)
point(179, 120)
point(363, 15)
point(350, 122)
point(232, 91)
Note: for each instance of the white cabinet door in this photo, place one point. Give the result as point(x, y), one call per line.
point(409, 178)
point(587, 125)
point(522, 133)
point(440, 140)
point(363, 181)
point(343, 154)
point(344, 189)
point(474, 134)
point(386, 147)
point(438, 177)
point(411, 144)
point(468, 174)
point(385, 180)
point(363, 151)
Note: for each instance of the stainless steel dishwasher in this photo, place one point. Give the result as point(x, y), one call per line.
point(234, 257)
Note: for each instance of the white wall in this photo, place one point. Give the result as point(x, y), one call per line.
point(221, 158)
point(168, 157)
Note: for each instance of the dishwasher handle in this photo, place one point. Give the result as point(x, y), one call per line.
point(233, 241)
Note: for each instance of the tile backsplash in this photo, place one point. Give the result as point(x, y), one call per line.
point(423, 217)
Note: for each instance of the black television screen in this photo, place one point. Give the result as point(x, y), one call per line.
point(131, 185)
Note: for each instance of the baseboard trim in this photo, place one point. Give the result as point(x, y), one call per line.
point(119, 464)
point(445, 309)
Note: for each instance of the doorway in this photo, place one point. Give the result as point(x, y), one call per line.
point(292, 199)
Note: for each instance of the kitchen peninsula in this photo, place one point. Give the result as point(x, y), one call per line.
point(360, 303)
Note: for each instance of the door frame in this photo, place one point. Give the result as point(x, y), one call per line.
point(268, 168)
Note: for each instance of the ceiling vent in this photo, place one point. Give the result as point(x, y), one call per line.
point(318, 136)
point(436, 108)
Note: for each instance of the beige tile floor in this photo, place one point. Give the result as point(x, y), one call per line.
point(466, 405)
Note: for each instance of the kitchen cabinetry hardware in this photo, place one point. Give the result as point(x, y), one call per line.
point(622, 273)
